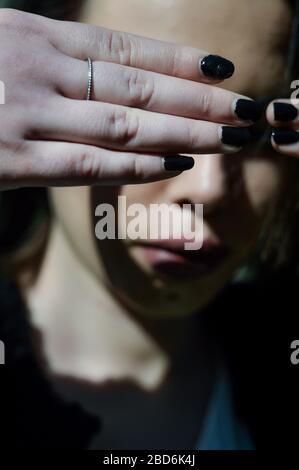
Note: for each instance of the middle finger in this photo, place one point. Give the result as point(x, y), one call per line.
point(128, 86)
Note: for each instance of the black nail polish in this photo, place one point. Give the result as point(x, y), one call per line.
point(285, 112)
point(249, 110)
point(217, 67)
point(235, 136)
point(178, 163)
point(285, 136)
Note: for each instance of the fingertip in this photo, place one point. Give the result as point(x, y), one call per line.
point(285, 142)
point(178, 163)
point(284, 137)
point(281, 112)
point(270, 113)
point(248, 110)
point(216, 67)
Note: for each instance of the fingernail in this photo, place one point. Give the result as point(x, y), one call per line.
point(285, 112)
point(285, 136)
point(217, 67)
point(249, 110)
point(235, 136)
point(178, 163)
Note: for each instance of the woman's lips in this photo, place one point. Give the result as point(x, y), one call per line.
point(169, 258)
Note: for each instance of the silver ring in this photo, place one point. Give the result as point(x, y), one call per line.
point(90, 79)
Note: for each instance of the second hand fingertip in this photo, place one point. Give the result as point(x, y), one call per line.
point(284, 112)
point(285, 136)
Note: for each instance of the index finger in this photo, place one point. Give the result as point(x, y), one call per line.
point(80, 41)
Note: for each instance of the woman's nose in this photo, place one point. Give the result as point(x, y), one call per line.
point(205, 184)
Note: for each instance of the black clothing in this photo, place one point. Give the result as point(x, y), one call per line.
point(35, 416)
point(254, 324)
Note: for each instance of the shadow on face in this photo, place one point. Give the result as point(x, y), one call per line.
point(238, 192)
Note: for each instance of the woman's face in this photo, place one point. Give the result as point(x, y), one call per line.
point(238, 191)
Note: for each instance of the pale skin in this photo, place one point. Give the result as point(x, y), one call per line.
point(76, 142)
point(108, 344)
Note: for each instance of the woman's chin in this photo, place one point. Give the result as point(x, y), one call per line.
point(171, 289)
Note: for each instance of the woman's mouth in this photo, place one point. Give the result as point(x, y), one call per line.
point(170, 259)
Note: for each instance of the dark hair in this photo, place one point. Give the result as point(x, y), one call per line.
point(293, 56)
point(280, 247)
point(26, 212)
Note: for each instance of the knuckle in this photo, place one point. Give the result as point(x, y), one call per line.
point(174, 57)
point(11, 138)
point(9, 16)
point(140, 171)
point(86, 165)
point(193, 136)
point(178, 55)
point(17, 20)
point(128, 170)
point(206, 102)
point(118, 46)
point(133, 171)
point(15, 164)
point(140, 88)
point(123, 126)
point(24, 54)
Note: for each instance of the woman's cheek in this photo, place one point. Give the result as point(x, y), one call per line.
point(263, 184)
